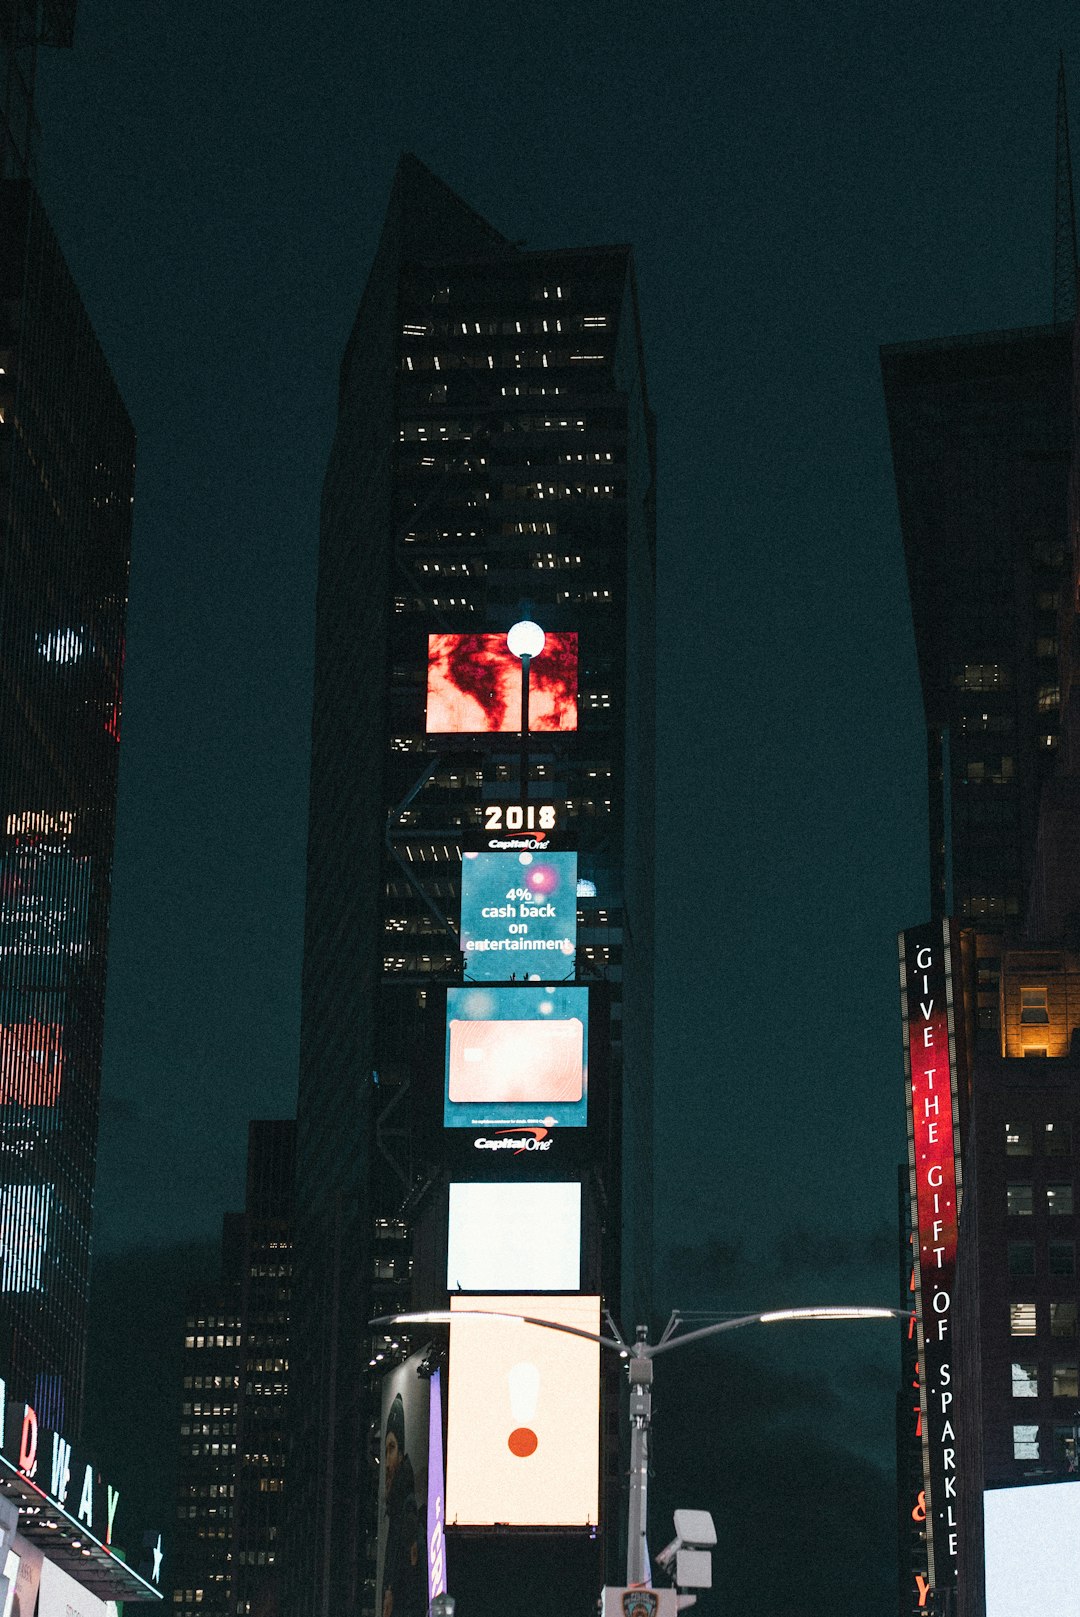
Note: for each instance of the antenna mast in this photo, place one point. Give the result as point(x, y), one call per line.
point(1065, 259)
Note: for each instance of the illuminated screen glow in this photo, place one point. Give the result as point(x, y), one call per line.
point(1044, 1518)
point(523, 1428)
point(474, 685)
point(61, 1596)
point(44, 906)
point(518, 914)
point(514, 1237)
point(24, 1233)
point(31, 1051)
point(517, 1057)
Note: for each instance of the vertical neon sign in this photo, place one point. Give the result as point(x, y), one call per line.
point(436, 1500)
point(933, 1160)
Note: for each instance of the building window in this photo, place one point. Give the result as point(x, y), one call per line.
point(1059, 1198)
point(1058, 1139)
point(1018, 1139)
point(1033, 1007)
point(1025, 1381)
point(982, 677)
point(1063, 1319)
point(1025, 1442)
point(1022, 1257)
point(1035, 1049)
point(1021, 1199)
point(1065, 1381)
point(1065, 1449)
point(1062, 1257)
point(1022, 1319)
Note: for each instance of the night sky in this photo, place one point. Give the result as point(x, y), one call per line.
point(801, 182)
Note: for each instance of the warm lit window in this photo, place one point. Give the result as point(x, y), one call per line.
point(1018, 1139)
point(1021, 1257)
point(1063, 1319)
point(1033, 1006)
point(1065, 1383)
point(1020, 1199)
point(1022, 1319)
point(1059, 1198)
point(1025, 1442)
point(1025, 1381)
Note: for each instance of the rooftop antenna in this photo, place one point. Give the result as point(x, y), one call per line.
point(1065, 259)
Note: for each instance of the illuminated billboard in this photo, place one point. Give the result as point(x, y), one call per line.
point(474, 685)
point(401, 1564)
point(24, 1234)
point(1032, 1538)
point(934, 1166)
point(31, 1050)
point(518, 914)
point(61, 1596)
point(523, 1432)
point(514, 1237)
point(44, 906)
point(516, 1056)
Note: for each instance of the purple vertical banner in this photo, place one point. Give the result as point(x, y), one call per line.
point(436, 1491)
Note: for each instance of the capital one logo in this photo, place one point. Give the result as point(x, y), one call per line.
point(515, 1140)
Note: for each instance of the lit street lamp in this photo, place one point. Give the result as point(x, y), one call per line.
point(639, 1356)
point(525, 641)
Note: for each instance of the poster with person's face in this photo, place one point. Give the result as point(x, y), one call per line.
point(401, 1577)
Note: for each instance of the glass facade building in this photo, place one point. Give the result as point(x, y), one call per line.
point(67, 454)
point(494, 458)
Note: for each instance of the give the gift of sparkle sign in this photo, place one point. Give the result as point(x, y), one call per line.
point(933, 1159)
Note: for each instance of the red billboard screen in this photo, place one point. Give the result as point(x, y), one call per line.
point(474, 685)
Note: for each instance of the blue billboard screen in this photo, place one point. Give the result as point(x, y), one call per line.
point(518, 915)
point(517, 1057)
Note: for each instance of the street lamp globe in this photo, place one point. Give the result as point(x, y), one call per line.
point(526, 639)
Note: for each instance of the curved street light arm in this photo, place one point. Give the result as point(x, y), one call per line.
point(776, 1317)
point(446, 1316)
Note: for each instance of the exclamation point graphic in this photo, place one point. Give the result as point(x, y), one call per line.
point(524, 1382)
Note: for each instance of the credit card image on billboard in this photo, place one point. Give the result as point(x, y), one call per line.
point(474, 685)
point(510, 1237)
point(523, 1425)
point(516, 1056)
point(519, 915)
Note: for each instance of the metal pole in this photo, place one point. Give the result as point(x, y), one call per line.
point(640, 1369)
point(526, 660)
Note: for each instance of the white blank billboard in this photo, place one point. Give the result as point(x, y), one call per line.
point(1033, 1550)
point(507, 1237)
point(523, 1428)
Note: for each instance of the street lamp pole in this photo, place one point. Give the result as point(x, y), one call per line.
point(525, 641)
point(639, 1357)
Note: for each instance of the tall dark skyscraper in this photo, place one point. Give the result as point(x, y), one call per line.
point(231, 1487)
point(67, 454)
point(981, 429)
point(494, 459)
point(981, 432)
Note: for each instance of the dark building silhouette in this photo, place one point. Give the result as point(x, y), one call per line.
point(982, 432)
point(231, 1483)
point(494, 447)
point(67, 453)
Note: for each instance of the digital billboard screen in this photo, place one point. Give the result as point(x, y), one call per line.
point(514, 1237)
point(474, 685)
point(1016, 1521)
point(518, 914)
point(516, 1056)
point(523, 1429)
